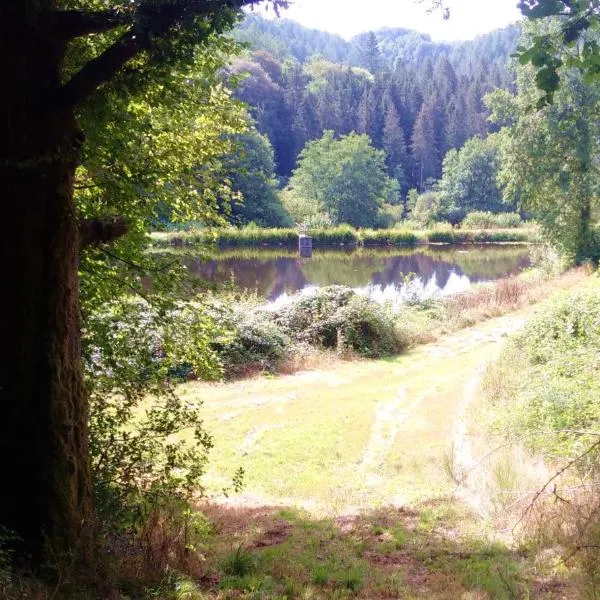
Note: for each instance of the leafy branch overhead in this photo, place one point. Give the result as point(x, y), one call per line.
point(141, 24)
point(569, 40)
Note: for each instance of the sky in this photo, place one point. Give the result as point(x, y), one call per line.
point(468, 18)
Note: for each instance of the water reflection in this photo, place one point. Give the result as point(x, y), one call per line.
point(386, 275)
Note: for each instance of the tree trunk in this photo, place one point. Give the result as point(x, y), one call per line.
point(46, 497)
point(585, 229)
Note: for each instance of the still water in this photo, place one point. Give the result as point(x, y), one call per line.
point(382, 274)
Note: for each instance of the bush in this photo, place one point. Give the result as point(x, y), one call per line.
point(488, 220)
point(425, 208)
point(389, 216)
point(318, 221)
point(367, 328)
point(307, 316)
point(336, 317)
point(571, 323)
point(553, 387)
point(256, 342)
point(131, 354)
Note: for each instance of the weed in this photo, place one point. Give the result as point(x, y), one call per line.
point(239, 563)
point(320, 575)
point(352, 579)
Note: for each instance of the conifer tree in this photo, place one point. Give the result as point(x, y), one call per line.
point(424, 148)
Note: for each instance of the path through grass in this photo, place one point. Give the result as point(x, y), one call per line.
point(348, 493)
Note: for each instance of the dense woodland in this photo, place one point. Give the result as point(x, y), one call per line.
point(414, 98)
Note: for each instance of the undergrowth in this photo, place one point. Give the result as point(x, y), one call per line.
point(543, 397)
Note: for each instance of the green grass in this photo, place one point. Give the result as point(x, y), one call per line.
point(327, 439)
point(379, 554)
point(342, 235)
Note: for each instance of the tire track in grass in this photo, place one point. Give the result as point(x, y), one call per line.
point(389, 417)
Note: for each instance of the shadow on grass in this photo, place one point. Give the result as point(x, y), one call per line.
point(433, 551)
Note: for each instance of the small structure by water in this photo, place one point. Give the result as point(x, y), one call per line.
point(305, 245)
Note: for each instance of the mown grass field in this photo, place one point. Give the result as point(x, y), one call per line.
point(351, 486)
point(362, 434)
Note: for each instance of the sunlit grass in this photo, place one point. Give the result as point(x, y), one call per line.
point(323, 439)
point(340, 235)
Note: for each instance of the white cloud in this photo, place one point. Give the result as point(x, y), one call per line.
point(468, 18)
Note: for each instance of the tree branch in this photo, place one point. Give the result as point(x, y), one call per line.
point(100, 70)
point(70, 24)
point(152, 21)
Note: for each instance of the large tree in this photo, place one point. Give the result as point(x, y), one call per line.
point(43, 403)
point(253, 178)
point(549, 156)
point(469, 179)
point(346, 177)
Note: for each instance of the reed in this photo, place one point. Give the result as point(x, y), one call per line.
point(342, 235)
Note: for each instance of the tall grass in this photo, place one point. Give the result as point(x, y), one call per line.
point(389, 237)
point(342, 235)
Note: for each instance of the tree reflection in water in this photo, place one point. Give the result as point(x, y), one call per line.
point(273, 274)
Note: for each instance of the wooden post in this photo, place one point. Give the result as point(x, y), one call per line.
point(305, 245)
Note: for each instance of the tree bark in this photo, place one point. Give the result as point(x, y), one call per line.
point(44, 463)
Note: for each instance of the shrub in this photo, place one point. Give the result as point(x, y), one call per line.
point(489, 220)
point(307, 316)
point(336, 317)
point(256, 342)
point(389, 215)
point(570, 323)
point(367, 328)
point(425, 208)
point(318, 221)
point(130, 354)
point(554, 385)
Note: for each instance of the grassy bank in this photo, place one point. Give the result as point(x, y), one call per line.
point(337, 236)
point(534, 454)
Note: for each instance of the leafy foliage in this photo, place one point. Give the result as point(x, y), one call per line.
point(255, 343)
point(488, 220)
point(549, 157)
point(336, 317)
point(558, 360)
point(346, 177)
point(469, 180)
point(572, 42)
point(132, 353)
point(253, 178)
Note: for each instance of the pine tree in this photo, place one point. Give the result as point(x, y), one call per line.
point(424, 151)
point(395, 146)
point(371, 54)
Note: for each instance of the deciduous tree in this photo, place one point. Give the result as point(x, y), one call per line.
point(345, 176)
point(43, 405)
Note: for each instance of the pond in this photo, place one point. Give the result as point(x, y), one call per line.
point(383, 274)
